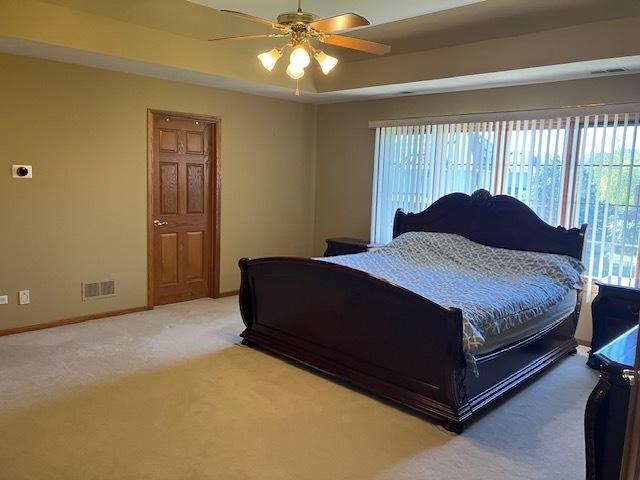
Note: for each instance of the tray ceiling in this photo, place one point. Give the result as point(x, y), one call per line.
point(466, 44)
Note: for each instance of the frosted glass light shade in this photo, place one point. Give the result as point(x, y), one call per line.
point(295, 72)
point(269, 59)
point(299, 57)
point(325, 61)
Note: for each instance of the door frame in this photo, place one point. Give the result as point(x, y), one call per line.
point(214, 184)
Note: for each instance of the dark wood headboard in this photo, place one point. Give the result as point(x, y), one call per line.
point(497, 221)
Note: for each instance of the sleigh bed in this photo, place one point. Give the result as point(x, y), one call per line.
point(399, 344)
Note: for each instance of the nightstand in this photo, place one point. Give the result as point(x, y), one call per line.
point(605, 419)
point(614, 311)
point(345, 246)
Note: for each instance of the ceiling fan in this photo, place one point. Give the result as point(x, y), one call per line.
point(301, 27)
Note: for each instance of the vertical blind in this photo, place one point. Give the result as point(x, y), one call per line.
point(569, 170)
point(416, 165)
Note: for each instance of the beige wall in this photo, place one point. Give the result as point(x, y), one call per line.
point(83, 215)
point(292, 174)
point(345, 143)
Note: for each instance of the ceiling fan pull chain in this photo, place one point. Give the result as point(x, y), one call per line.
point(297, 92)
point(299, 5)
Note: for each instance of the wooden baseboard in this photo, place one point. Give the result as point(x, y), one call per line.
point(69, 321)
point(231, 293)
point(584, 343)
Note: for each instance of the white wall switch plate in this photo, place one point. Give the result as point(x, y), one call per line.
point(22, 171)
point(4, 299)
point(24, 297)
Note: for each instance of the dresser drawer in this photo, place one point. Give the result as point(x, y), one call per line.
point(615, 310)
point(622, 308)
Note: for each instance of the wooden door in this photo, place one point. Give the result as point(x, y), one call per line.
point(631, 458)
point(182, 226)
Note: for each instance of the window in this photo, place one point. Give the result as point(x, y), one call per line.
point(606, 197)
point(417, 165)
point(534, 157)
point(569, 170)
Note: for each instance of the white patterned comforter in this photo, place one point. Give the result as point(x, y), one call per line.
point(495, 288)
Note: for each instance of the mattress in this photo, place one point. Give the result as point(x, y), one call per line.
point(554, 315)
point(496, 289)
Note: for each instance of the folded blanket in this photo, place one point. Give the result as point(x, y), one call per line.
point(495, 288)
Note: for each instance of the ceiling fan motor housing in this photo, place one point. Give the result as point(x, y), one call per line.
point(291, 18)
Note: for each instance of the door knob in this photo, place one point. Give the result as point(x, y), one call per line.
point(158, 223)
point(630, 376)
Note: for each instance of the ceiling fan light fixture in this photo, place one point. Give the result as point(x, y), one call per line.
point(302, 29)
point(295, 72)
point(270, 58)
point(326, 62)
point(299, 57)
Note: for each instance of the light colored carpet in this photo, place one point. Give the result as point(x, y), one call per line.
point(170, 394)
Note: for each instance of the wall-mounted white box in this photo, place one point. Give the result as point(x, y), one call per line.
point(22, 171)
point(4, 299)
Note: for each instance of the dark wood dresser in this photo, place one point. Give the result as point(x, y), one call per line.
point(345, 246)
point(606, 413)
point(614, 311)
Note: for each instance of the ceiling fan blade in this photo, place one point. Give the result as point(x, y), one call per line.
point(356, 44)
point(246, 16)
point(339, 22)
point(243, 37)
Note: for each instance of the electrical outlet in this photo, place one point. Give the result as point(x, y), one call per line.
point(4, 299)
point(24, 297)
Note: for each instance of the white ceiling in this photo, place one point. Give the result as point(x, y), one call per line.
point(376, 11)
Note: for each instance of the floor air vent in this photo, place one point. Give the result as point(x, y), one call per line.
point(93, 290)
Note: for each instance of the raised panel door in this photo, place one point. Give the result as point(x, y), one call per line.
point(182, 209)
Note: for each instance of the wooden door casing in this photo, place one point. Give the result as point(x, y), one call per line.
point(181, 187)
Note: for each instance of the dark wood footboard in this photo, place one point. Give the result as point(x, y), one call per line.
point(357, 327)
point(382, 337)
